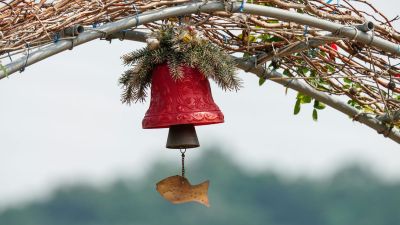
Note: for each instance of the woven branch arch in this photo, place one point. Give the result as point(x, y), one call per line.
point(297, 34)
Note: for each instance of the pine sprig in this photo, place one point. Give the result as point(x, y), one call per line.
point(177, 47)
point(132, 57)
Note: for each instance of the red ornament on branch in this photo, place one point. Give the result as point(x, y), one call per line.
point(334, 47)
point(182, 101)
point(181, 104)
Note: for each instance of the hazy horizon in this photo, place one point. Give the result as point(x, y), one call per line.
point(62, 120)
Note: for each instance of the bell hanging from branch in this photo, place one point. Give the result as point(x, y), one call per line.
point(181, 96)
point(180, 105)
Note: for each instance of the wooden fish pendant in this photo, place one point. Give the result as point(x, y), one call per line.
point(177, 190)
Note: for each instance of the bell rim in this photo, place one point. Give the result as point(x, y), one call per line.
point(196, 119)
point(196, 125)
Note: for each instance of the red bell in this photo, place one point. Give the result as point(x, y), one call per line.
point(180, 105)
point(183, 101)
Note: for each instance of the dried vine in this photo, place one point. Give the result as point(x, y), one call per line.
point(368, 77)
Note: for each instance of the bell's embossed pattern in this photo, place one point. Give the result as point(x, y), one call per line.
point(184, 101)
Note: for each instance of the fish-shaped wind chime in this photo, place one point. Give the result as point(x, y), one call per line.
point(177, 189)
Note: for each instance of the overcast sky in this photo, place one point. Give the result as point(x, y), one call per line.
point(62, 120)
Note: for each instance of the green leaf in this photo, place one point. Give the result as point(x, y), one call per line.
point(286, 72)
point(319, 105)
point(315, 115)
point(357, 85)
point(272, 21)
point(297, 107)
point(303, 70)
point(261, 81)
point(247, 55)
point(354, 104)
point(346, 86)
point(347, 80)
point(251, 38)
point(4, 69)
point(330, 68)
point(275, 39)
point(306, 99)
point(312, 53)
point(313, 73)
point(264, 37)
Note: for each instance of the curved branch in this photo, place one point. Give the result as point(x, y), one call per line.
point(154, 15)
point(111, 28)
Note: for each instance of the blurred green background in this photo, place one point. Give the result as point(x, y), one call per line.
point(352, 196)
